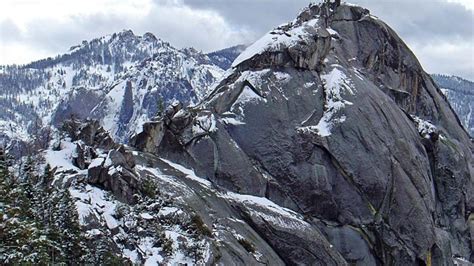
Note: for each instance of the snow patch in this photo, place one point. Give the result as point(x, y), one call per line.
point(164, 178)
point(281, 76)
point(269, 211)
point(277, 40)
point(332, 32)
point(93, 200)
point(248, 95)
point(204, 124)
point(425, 128)
point(189, 173)
point(165, 211)
point(232, 121)
point(146, 245)
point(335, 84)
point(260, 201)
point(96, 162)
point(62, 159)
point(146, 216)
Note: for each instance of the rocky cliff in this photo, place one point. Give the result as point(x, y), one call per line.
point(332, 118)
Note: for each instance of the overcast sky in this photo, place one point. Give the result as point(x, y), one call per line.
point(441, 32)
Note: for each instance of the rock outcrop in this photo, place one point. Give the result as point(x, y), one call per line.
point(332, 116)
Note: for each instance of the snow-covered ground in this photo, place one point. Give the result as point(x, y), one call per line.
point(154, 69)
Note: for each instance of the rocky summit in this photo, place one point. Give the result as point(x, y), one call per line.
point(324, 143)
point(331, 117)
point(121, 79)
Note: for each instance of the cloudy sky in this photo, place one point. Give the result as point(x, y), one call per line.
point(441, 32)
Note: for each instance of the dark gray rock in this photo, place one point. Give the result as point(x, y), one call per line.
point(351, 244)
point(150, 137)
point(79, 160)
point(90, 133)
point(78, 105)
point(126, 110)
point(335, 126)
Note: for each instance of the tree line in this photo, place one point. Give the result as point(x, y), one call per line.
point(39, 223)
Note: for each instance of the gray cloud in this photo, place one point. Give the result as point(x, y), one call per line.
point(426, 25)
point(258, 15)
point(183, 26)
point(425, 21)
point(423, 24)
point(9, 31)
point(176, 23)
point(417, 19)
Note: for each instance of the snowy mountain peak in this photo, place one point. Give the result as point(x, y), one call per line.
point(326, 144)
point(120, 79)
point(311, 22)
point(331, 115)
point(117, 50)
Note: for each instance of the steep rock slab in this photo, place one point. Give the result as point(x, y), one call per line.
point(332, 116)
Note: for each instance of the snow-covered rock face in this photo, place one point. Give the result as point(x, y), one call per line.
point(121, 79)
point(333, 117)
point(173, 216)
point(325, 144)
point(460, 94)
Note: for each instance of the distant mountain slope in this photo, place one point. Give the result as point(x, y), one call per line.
point(326, 143)
point(460, 94)
point(224, 58)
point(120, 79)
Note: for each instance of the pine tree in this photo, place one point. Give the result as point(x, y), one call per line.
point(53, 226)
point(24, 230)
point(28, 170)
point(47, 178)
point(160, 106)
point(72, 242)
point(3, 162)
point(39, 223)
point(23, 240)
point(4, 178)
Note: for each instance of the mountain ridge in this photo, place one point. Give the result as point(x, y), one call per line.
point(50, 90)
point(83, 56)
point(460, 94)
point(332, 116)
point(326, 143)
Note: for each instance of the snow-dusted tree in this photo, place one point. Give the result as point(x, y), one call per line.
point(67, 220)
point(21, 236)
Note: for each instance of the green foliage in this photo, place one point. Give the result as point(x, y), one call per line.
point(48, 176)
point(200, 226)
point(149, 188)
point(28, 169)
point(99, 251)
point(160, 106)
point(110, 258)
point(22, 237)
point(247, 245)
point(3, 162)
point(37, 225)
point(166, 244)
point(121, 210)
